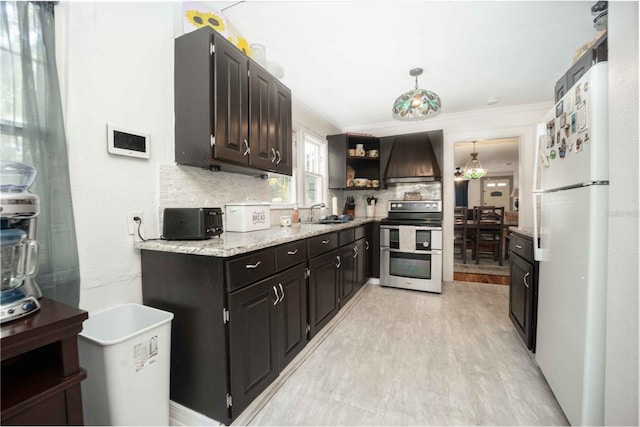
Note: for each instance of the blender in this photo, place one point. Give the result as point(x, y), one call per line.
point(19, 250)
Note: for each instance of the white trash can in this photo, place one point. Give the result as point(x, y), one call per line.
point(126, 352)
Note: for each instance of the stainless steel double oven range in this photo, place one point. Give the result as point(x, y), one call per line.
point(411, 245)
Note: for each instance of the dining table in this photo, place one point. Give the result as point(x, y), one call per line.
point(488, 226)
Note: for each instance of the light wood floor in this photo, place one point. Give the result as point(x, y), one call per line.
point(402, 357)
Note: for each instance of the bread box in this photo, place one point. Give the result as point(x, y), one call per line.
point(247, 216)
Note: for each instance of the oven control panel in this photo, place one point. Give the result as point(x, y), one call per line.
point(415, 206)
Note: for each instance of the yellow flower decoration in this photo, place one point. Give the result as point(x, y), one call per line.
point(203, 19)
point(243, 45)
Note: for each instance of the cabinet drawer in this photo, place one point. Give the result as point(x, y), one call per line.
point(346, 237)
point(249, 268)
point(290, 254)
point(521, 245)
point(321, 244)
point(363, 231)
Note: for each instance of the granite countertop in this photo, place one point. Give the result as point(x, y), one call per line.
point(229, 244)
point(525, 231)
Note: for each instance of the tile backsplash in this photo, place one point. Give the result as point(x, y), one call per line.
point(186, 186)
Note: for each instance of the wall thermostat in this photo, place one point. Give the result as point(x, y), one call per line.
point(127, 143)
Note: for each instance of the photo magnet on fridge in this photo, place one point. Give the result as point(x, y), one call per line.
point(573, 123)
point(578, 145)
point(563, 148)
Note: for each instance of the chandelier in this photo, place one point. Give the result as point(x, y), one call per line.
point(416, 104)
point(474, 169)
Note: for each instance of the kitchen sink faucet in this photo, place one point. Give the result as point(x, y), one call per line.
point(317, 205)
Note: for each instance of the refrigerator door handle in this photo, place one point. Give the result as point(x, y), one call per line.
point(539, 254)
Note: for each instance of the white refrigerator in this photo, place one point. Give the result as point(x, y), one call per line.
point(570, 241)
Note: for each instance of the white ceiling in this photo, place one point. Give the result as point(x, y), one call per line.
point(349, 60)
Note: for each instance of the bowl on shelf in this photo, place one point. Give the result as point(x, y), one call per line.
point(360, 182)
point(373, 153)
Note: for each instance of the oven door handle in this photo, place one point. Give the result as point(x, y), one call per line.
point(431, 252)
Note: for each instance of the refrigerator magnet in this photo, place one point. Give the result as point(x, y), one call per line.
point(578, 145)
point(558, 137)
point(563, 148)
point(582, 116)
point(563, 120)
point(552, 154)
point(559, 109)
point(573, 123)
point(578, 94)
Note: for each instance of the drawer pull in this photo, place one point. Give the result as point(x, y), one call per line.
point(254, 265)
point(292, 252)
point(247, 149)
point(324, 242)
point(339, 262)
point(524, 279)
point(366, 247)
point(518, 246)
point(273, 152)
point(355, 252)
point(282, 291)
point(275, 291)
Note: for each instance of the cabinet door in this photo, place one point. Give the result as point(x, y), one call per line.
point(520, 294)
point(292, 313)
point(323, 290)
point(261, 119)
point(231, 102)
point(347, 272)
point(337, 150)
point(283, 128)
point(252, 342)
point(361, 262)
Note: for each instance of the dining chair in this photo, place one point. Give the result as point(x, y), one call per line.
point(461, 235)
point(489, 222)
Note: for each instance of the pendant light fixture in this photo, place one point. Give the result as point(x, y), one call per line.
point(416, 104)
point(458, 175)
point(474, 169)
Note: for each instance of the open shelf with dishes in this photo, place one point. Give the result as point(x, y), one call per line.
point(354, 162)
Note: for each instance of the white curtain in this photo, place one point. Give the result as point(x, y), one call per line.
point(32, 132)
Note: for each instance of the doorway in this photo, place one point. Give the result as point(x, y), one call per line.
point(500, 157)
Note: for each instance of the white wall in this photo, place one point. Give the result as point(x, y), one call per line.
point(498, 122)
point(621, 375)
point(116, 66)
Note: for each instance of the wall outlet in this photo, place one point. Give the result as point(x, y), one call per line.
point(132, 225)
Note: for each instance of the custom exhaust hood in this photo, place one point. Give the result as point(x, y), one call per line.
point(415, 158)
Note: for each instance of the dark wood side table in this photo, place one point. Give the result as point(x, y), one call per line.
point(41, 374)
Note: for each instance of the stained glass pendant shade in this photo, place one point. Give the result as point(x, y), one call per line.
point(474, 169)
point(416, 104)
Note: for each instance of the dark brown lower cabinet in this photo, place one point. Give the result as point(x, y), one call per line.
point(267, 329)
point(347, 271)
point(362, 246)
point(523, 289)
point(324, 277)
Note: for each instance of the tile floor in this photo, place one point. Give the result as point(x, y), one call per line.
point(409, 358)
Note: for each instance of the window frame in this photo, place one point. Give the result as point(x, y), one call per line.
point(302, 136)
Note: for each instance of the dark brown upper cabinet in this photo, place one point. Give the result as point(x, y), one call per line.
point(230, 113)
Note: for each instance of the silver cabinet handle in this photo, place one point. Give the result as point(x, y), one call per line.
point(292, 252)
point(355, 251)
point(366, 247)
point(254, 265)
point(273, 153)
point(339, 262)
point(275, 291)
point(279, 158)
point(282, 291)
point(246, 146)
point(519, 247)
point(524, 279)
point(324, 242)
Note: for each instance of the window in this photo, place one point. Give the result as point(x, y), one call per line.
point(308, 184)
point(315, 170)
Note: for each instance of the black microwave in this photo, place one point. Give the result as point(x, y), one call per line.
point(191, 223)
